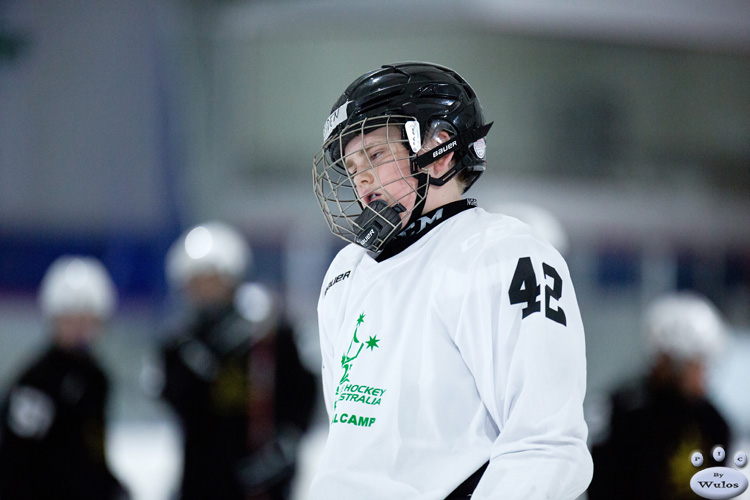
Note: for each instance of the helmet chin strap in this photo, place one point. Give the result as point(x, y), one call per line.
point(423, 185)
point(418, 167)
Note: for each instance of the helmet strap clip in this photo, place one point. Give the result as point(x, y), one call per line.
point(378, 222)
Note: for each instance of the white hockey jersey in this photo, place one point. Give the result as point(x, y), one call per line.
point(466, 347)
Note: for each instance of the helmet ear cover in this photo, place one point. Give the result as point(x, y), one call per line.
point(459, 144)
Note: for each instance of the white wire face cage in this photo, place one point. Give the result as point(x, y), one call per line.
point(349, 215)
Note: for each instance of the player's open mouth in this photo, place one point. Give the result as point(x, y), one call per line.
point(370, 197)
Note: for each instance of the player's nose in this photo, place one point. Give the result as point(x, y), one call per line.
point(363, 179)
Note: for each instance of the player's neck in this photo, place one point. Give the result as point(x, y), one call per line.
point(438, 196)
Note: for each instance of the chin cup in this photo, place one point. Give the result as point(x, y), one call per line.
point(379, 223)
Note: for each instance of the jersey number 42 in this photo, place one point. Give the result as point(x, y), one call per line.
point(525, 290)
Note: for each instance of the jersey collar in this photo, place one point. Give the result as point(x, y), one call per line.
point(418, 228)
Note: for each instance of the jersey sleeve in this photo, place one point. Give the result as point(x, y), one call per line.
point(520, 333)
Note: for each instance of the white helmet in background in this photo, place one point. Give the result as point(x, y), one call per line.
point(209, 248)
point(77, 285)
point(684, 326)
point(540, 219)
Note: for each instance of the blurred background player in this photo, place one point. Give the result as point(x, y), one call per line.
point(657, 422)
point(231, 372)
point(52, 438)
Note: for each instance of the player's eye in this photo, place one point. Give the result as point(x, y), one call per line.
point(374, 155)
point(355, 168)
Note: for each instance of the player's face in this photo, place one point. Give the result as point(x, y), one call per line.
point(207, 290)
point(693, 379)
point(76, 331)
point(378, 164)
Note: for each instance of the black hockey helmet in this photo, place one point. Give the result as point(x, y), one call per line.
point(421, 99)
point(434, 96)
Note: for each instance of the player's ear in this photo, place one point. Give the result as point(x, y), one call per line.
point(442, 165)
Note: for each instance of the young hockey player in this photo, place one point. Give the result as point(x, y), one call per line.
point(232, 374)
point(52, 432)
point(452, 344)
point(658, 420)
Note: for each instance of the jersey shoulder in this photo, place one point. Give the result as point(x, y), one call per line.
point(348, 257)
point(42, 369)
point(345, 261)
point(478, 231)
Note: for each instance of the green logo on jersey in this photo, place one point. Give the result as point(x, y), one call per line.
point(345, 392)
point(347, 359)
